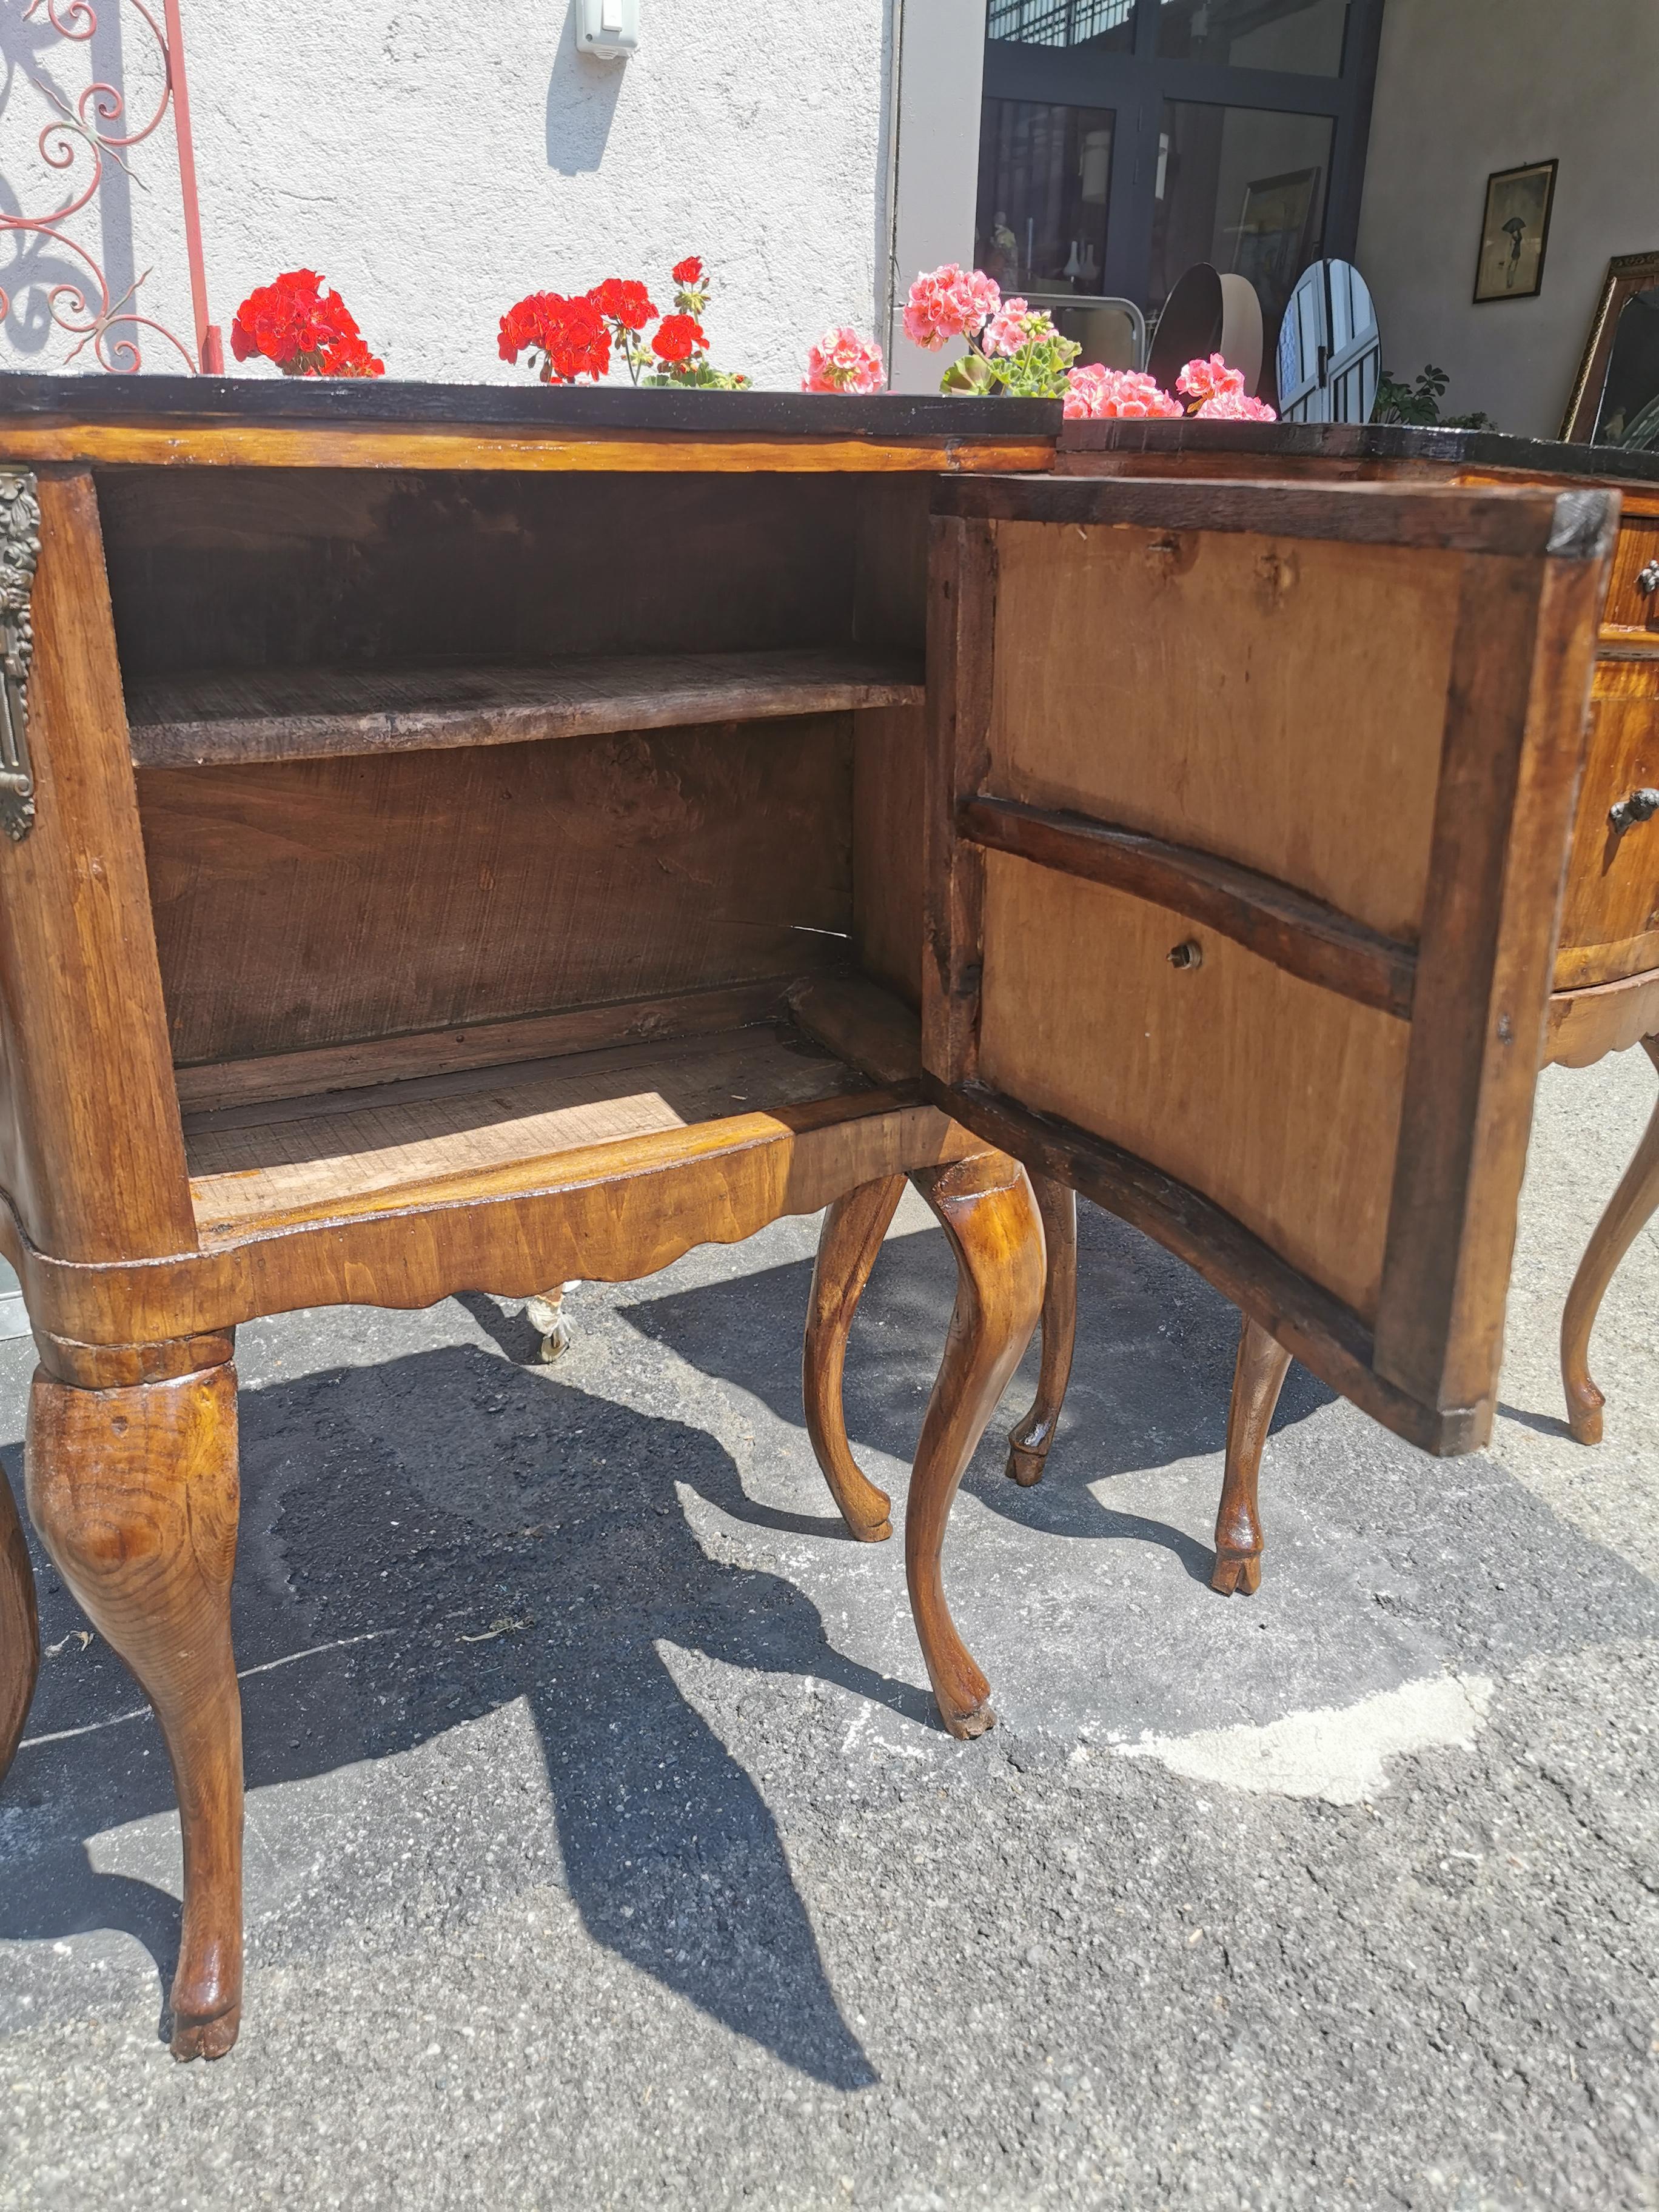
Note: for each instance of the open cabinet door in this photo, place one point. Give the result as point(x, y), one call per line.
point(1249, 815)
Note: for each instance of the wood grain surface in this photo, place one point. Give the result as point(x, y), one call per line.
point(1610, 917)
point(342, 1152)
point(1278, 1099)
point(1279, 704)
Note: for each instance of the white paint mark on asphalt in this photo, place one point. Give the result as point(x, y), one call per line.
point(1339, 1753)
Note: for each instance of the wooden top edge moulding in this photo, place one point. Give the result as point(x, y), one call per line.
point(1568, 525)
point(168, 421)
point(1362, 442)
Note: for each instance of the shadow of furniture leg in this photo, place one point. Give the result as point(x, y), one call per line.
point(990, 1218)
point(20, 1627)
point(1629, 1210)
point(134, 1491)
point(853, 1230)
point(1028, 1443)
point(1258, 1377)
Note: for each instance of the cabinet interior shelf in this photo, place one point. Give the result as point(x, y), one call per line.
point(223, 717)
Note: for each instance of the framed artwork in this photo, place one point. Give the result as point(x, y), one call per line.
point(1273, 228)
point(1618, 379)
point(1514, 232)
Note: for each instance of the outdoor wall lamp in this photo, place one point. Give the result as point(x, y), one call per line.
point(608, 29)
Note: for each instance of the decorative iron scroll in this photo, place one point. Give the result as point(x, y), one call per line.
point(88, 138)
point(20, 548)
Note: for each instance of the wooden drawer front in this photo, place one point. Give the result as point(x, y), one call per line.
point(1632, 603)
point(1610, 918)
point(1249, 816)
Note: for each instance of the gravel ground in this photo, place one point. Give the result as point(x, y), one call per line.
point(602, 1851)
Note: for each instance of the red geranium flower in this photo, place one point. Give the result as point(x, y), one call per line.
point(570, 336)
point(678, 337)
point(305, 333)
point(689, 271)
point(620, 300)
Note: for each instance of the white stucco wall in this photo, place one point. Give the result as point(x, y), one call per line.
point(436, 161)
point(1466, 86)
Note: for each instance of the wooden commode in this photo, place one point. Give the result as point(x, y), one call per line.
point(470, 839)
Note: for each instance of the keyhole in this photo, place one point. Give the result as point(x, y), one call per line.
point(1187, 954)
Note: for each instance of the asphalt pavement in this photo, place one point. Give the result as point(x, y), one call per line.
point(603, 1850)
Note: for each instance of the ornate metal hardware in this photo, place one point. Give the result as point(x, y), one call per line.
point(1639, 807)
point(20, 548)
point(1647, 581)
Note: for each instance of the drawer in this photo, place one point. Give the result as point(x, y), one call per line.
point(1632, 601)
point(1249, 803)
point(1610, 915)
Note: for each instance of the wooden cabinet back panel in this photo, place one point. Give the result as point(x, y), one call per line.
point(317, 903)
point(1278, 704)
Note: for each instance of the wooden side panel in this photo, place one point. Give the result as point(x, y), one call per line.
point(1276, 702)
point(1279, 1100)
point(1515, 742)
point(1610, 921)
point(889, 609)
point(90, 1148)
point(320, 902)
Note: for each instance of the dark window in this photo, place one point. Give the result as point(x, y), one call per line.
point(1301, 35)
point(1107, 25)
point(1231, 132)
point(1242, 188)
point(1045, 179)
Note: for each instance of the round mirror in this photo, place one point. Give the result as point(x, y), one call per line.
point(1189, 327)
point(1330, 348)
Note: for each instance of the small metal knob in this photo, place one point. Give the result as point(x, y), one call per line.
point(1190, 953)
point(1647, 581)
point(1640, 806)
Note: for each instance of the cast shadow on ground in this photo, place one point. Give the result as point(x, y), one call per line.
point(440, 1497)
point(1156, 1346)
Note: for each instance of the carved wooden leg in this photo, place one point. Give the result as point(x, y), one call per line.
point(135, 1494)
point(547, 1314)
point(1028, 1443)
point(991, 1219)
point(853, 1230)
point(1629, 1211)
point(20, 1627)
point(1258, 1377)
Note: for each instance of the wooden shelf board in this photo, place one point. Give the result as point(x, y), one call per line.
point(369, 1149)
point(225, 716)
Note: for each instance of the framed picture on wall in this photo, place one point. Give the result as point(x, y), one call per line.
point(1273, 232)
point(1514, 232)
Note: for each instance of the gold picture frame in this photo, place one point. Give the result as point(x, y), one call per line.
point(1627, 275)
point(1515, 231)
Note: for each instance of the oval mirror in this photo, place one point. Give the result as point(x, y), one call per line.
point(1330, 348)
point(1241, 330)
point(1189, 326)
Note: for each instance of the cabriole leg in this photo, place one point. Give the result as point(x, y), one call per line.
point(854, 1228)
point(135, 1494)
point(990, 1218)
point(546, 1313)
point(20, 1627)
point(1258, 1377)
point(1629, 1211)
point(1028, 1443)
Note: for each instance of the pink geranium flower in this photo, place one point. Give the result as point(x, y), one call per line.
point(1005, 331)
point(1209, 380)
point(1123, 393)
point(1236, 407)
point(951, 302)
point(841, 362)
